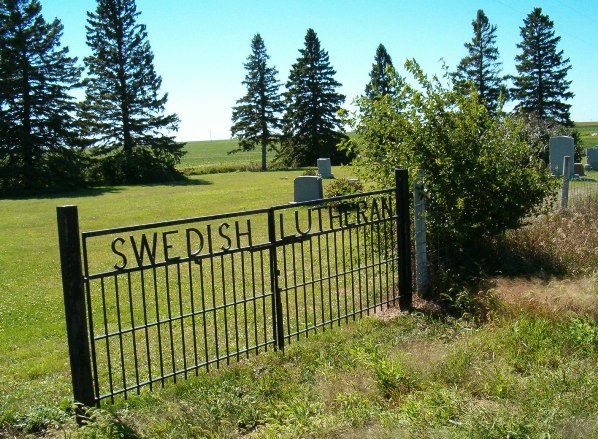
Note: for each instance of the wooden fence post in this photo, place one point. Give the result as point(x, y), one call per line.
point(404, 239)
point(74, 306)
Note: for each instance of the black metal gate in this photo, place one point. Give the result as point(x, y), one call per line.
point(156, 302)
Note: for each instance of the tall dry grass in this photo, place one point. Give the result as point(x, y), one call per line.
point(560, 243)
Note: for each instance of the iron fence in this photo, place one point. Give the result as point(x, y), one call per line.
point(158, 302)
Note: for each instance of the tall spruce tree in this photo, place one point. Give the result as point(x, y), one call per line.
point(256, 117)
point(123, 114)
point(380, 75)
point(481, 67)
point(541, 86)
point(38, 135)
point(311, 125)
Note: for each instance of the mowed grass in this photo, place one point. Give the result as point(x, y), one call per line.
point(210, 152)
point(586, 129)
point(209, 157)
point(34, 368)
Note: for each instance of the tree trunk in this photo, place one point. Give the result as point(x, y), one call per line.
point(264, 146)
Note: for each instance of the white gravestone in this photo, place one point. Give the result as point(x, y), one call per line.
point(559, 147)
point(325, 168)
point(307, 188)
point(592, 158)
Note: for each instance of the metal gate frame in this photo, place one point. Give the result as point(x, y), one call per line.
point(76, 280)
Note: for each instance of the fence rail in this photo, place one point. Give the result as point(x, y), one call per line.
point(152, 303)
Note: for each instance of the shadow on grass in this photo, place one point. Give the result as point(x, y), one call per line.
point(84, 192)
point(50, 194)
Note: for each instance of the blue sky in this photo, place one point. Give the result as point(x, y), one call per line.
point(200, 46)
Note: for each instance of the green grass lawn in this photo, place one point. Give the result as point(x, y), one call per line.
point(523, 374)
point(33, 354)
point(586, 129)
point(208, 157)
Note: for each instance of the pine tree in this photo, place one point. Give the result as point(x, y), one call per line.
point(481, 66)
point(123, 113)
point(38, 135)
point(311, 126)
point(256, 115)
point(541, 86)
point(381, 74)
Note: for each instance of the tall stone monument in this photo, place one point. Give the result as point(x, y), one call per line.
point(558, 148)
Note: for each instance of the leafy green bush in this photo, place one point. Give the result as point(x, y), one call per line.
point(144, 165)
point(344, 186)
point(481, 176)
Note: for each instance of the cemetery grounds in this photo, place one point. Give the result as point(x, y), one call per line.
point(523, 362)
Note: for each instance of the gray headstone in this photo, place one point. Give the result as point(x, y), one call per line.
point(325, 168)
point(308, 187)
point(592, 158)
point(559, 147)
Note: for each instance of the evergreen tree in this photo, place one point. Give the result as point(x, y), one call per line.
point(256, 115)
point(381, 74)
point(37, 126)
point(311, 125)
point(541, 86)
point(123, 114)
point(481, 66)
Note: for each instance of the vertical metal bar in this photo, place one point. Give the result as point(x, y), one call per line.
point(351, 267)
point(385, 232)
point(146, 328)
point(312, 284)
point(89, 304)
point(321, 282)
point(204, 317)
point(344, 271)
point(107, 340)
point(182, 318)
point(215, 313)
point(393, 250)
point(404, 239)
point(133, 332)
point(377, 226)
point(235, 313)
point(224, 305)
point(286, 284)
point(336, 275)
point(296, 288)
point(264, 314)
point(120, 336)
point(74, 305)
point(305, 310)
point(170, 329)
point(193, 322)
point(244, 289)
point(359, 292)
point(254, 301)
point(366, 262)
point(158, 325)
point(276, 300)
point(329, 279)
